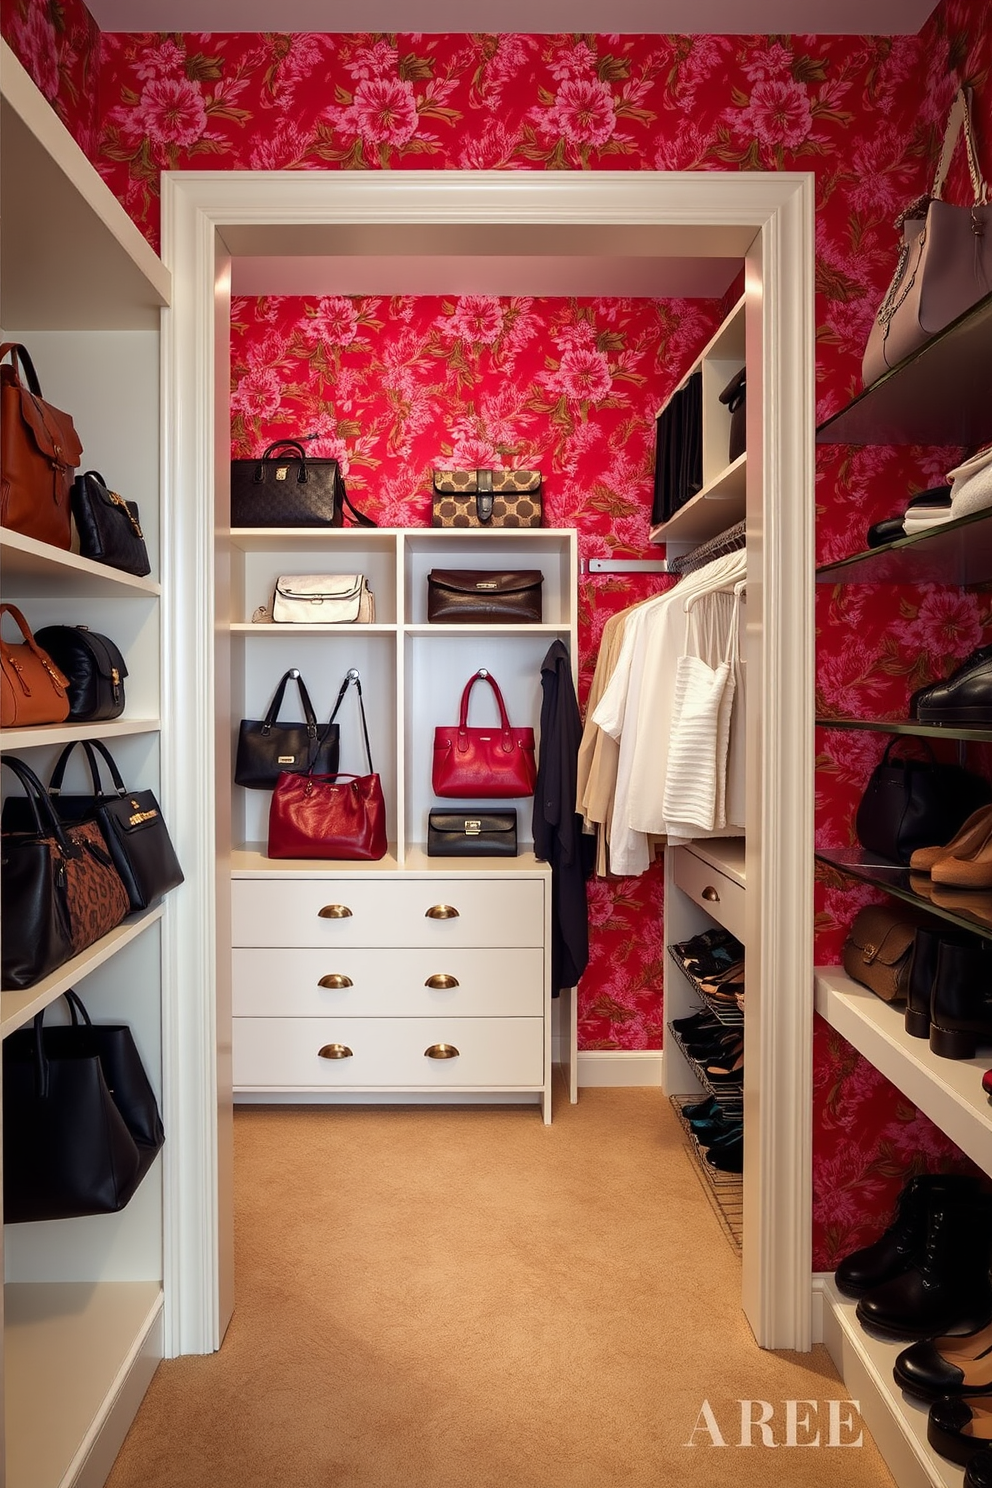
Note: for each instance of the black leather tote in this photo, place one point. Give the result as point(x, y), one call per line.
point(95, 668)
point(108, 526)
point(267, 748)
point(911, 803)
point(81, 1123)
point(286, 488)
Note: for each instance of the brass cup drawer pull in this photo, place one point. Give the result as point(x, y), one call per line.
point(710, 894)
point(441, 1051)
point(335, 1051)
point(334, 912)
point(441, 912)
point(441, 981)
point(335, 981)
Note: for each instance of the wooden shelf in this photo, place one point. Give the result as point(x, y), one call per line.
point(898, 1424)
point(249, 861)
point(712, 510)
point(939, 395)
point(50, 197)
point(43, 570)
point(955, 553)
point(76, 1355)
point(16, 1007)
point(907, 728)
point(949, 1091)
point(61, 733)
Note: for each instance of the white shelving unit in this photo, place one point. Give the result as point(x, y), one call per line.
point(83, 1322)
point(722, 499)
point(412, 675)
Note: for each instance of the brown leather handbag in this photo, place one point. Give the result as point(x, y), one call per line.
point(879, 948)
point(41, 451)
point(32, 689)
point(475, 596)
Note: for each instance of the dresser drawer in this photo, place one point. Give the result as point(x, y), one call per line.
point(721, 897)
point(283, 1053)
point(271, 982)
point(373, 912)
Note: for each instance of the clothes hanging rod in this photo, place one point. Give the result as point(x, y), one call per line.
point(624, 565)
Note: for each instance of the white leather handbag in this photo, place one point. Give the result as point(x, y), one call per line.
point(321, 599)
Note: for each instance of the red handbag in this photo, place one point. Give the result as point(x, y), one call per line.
point(483, 763)
point(330, 816)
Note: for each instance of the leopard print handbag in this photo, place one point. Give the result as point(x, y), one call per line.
point(487, 498)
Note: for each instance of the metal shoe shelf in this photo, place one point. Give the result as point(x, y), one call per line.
point(725, 1191)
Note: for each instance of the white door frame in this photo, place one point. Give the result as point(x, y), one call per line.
point(776, 209)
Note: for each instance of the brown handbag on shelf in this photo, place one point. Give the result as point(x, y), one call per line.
point(879, 948)
point(474, 596)
point(41, 450)
point(32, 689)
point(487, 498)
point(945, 259)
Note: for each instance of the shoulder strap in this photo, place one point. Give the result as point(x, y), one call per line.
point(18, 353)
point(352, 675)
point(958, 120)
point(482, 675)
point(310, 716)
point(360, 517)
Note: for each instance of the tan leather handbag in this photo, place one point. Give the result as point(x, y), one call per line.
point(879, 949)
point(41, 451)
point(32, 689)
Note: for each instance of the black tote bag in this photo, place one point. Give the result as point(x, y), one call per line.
point(911, 803)
point(81, 1123)
point(267, 748)
point(286, 488)
point(132, 824)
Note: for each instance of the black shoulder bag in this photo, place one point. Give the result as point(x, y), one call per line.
point(267, 748)
point(911, 803)
point(287, 488)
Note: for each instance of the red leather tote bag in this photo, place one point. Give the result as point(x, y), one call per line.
point(488, 764)
point(330, 816)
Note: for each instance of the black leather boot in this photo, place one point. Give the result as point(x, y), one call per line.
point(894, 1252)
point(961, 999)
point(922, 971)
point(947, 1289)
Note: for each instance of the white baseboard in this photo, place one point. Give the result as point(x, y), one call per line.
point(619, 1067)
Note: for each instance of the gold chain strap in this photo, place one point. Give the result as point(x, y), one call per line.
point(119, 501)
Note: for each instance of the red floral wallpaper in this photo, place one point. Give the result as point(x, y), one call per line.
point(58, 42)
point(864, 114)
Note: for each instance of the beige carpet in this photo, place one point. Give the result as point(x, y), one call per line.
point(464, 1298)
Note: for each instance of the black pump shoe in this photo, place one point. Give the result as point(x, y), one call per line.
point(978, 1473)
point(960, 1428)
point(956, 1365)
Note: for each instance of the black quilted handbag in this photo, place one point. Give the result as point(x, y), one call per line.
point(95, 669)
point(286, 488)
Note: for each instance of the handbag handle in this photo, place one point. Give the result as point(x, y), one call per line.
point(292, 675)
point(20, 354)
point(958, 120)
point(40, 1057)
point(482, 675)
point(46, 818)
point(59, 681)
point(91, 746)
point(302, 474)
point(351, 676)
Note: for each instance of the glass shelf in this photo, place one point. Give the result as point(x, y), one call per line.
point(908, 727)
point(958, 553)
point(971, 909)
point(939, 395)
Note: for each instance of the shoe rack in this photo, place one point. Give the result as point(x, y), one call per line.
point(936, 397)
point(704, 888)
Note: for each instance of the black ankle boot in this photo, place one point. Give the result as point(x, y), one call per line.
point(961, 999)
point(893, 1253)
point(947, 1289)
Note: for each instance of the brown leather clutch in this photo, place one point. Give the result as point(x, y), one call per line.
point(477, 596)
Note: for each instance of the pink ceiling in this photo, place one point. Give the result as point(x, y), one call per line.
point(684, 17)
